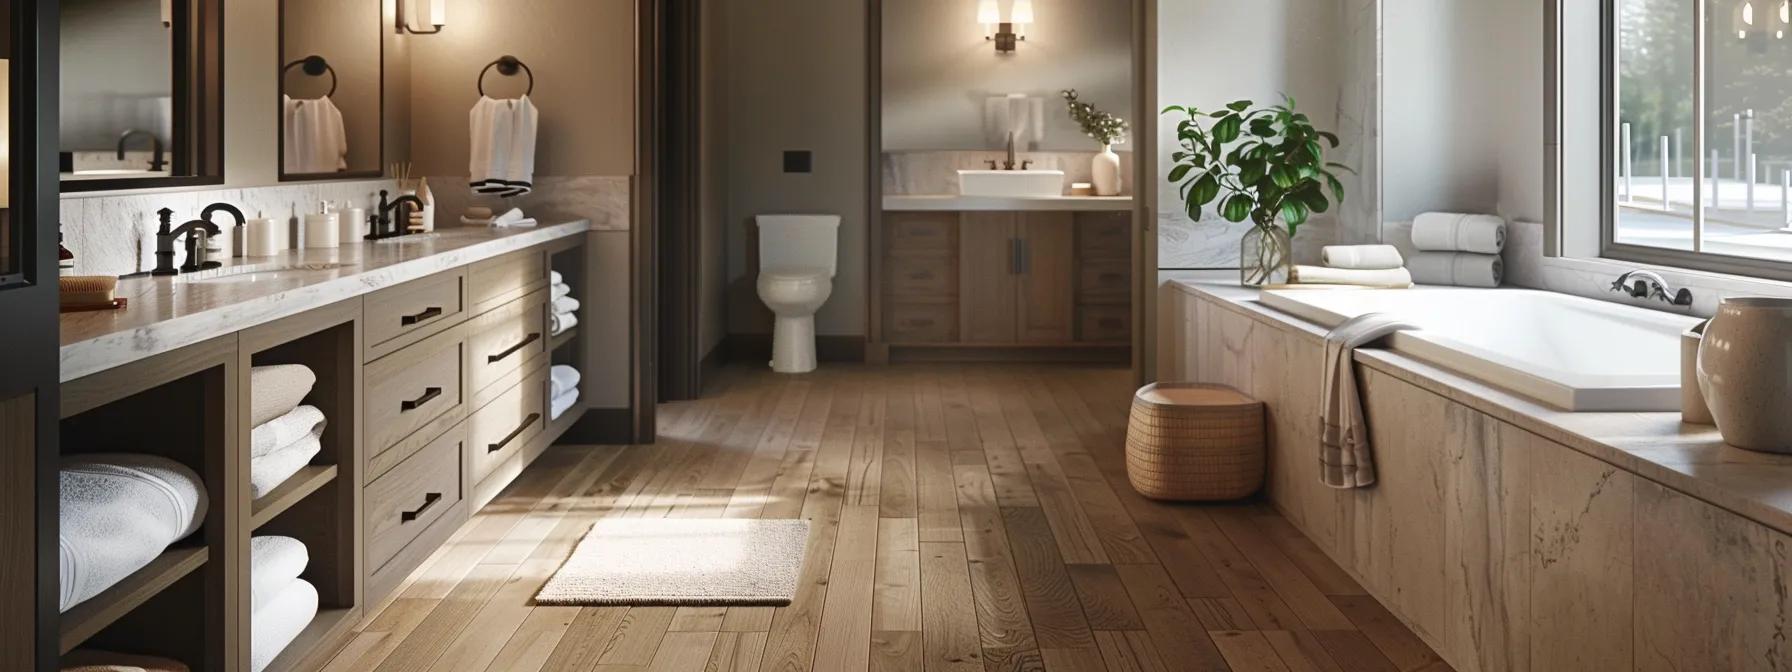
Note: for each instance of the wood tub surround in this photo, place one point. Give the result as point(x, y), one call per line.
point(1509, 536)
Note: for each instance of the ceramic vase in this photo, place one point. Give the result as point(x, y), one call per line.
point(1693, 409)
point(1106, 172)
point(1745, 372)
point(1265, 256)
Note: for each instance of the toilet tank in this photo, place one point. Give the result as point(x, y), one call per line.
point(799, 241)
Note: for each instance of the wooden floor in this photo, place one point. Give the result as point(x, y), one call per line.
point(965, 518)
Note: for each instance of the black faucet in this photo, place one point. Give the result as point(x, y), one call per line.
point(165, 237)
point(381, 226)
point(1651, 286)
point(157, 160)
point(215, 208)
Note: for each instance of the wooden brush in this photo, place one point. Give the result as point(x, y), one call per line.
point(87, 291)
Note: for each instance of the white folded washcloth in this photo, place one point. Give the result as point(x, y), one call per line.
point(273, 627)
point(524, 222)
point(562, 403)
point(276, 390)
point(117, 513)
point(555, 278)
point(1361, 257)
point(274, 563)
point(1346, 460)
point(559, 290)
point(566, 305)
point(269, 471)
point(1460, 269)
point(558, 323)
point(1393, 278)
point(285, 430)
point(511, 215)
point(1449, 232)
point(562, 378)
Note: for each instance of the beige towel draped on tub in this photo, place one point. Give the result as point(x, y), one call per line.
point(1345, 457)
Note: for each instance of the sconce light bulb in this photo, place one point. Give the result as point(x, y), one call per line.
point(988, 14)
point(1023, 12)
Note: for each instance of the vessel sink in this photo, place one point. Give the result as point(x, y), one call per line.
point(1011, 183)
point(255, 272)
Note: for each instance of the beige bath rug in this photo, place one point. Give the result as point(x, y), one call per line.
point(681, 562)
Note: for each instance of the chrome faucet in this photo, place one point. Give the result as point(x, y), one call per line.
point(157, 159)
point(196, 231)
point(380, 223)
point(1649, 285)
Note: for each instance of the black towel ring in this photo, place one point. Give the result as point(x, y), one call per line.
point(314, 66)
point(507, 66)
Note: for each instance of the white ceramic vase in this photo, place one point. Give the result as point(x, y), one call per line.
point(1745, 372)
point(1106, 172)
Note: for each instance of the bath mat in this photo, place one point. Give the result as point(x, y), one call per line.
point(681, 562)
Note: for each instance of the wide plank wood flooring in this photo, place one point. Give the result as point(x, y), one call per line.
point(965, 518)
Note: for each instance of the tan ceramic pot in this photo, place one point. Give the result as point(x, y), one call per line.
point(1745, 372)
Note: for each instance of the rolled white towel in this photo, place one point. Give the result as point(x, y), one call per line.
point(562, 403)
point(269, 471)
point(555, 278)
point(276, 390)
point(1448, 232)
point(1393, 278)
point(559, 291)
point(1361, 257)
point(561, 379)
point(1460, 269)
point(274, 563)
point(558, 323)
point(273, 627)
point(566, 305)
point(285, 430)
point(93, 660)
point(117, 513)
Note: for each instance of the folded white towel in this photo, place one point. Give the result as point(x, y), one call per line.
point(562, 378)
point(269, 471)
point(1449, 232)
point(559, 290)
point(524, 222)
point(563, 403)
point(92, 660)
point(566, 305)
point(1461, 269)
point(117, 513)
point(276, 390)
point(558, 323)
point(554, 277)
point(273, 627)
point(1345, 456)
point(511, 215)
point(1361, 257)
point(1393, 278)
point(274, 563)
point(285, 430)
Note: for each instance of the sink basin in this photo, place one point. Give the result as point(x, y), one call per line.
point(1011, 183)
point(255, 272)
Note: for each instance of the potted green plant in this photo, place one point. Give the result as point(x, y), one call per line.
point(1266, 165)
point(1105, 128)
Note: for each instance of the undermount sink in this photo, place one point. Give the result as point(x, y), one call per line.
point(1011, 183)
point(255, 272)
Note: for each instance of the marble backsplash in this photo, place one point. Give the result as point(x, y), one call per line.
point(605, 200)
point(936, 173)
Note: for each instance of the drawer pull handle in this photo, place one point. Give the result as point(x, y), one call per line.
point(495, 447)
point(414, 404)
point(429, 314)
point(429, 500)
point(493, 359)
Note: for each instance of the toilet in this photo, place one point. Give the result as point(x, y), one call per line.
point(797, 259)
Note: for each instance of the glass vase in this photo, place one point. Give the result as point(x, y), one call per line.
point(1265, 256)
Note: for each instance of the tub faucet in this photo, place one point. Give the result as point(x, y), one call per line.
point(157, 160)
point(1649, 285)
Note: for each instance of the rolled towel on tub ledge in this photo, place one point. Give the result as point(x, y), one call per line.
point(1460, 269)
point(1361, 257)
point(1393, 278)
point(1449, 232)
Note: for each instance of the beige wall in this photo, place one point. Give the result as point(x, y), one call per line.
point(713, 143)
point(348, 34)
point(796, 81)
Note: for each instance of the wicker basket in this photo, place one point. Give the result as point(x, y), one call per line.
point(1194, 442)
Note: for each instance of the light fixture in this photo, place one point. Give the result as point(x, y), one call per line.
point(422, 17)
point(1006, 34)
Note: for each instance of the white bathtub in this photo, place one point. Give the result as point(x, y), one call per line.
point(1573, 353)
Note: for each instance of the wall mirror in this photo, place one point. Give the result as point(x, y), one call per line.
point(331, 106)
point(142, 94)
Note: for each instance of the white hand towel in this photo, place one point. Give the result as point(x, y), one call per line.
point(274, 563)
point(1346, 459)
point(285, 430)
point(1461, 269)
point(566, 305)
point(1448, 232)
point(314, 137)
point(562, 404)
point(520, 167)
point(271, 470)
point(276, 390)
point(490, 122)
point(562, 378)
point(557, 291)
point(555, 278)
point(273, 627)
point(1393, 278)
point(1361, 257)
point(558, 323)
point(117, 513)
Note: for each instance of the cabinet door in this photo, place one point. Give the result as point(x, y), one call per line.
point(1047, 282)
point(987, 262)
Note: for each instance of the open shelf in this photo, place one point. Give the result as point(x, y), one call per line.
point(317, 640)
point(294, 490)
point(562, 339)
point(87, 619)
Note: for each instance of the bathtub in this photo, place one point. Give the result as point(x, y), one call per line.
point(1573, 353)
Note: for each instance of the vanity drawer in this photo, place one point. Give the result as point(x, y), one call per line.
point(495, 282)
point(506, 338)
point(920, 231)
point(412, 395)
point(1104, 324)
point(498, 432)
point(1104, 282)
point(400, 505)
point(1106, 235)
point(908, 323)
point(399, 316)
point(922, 276)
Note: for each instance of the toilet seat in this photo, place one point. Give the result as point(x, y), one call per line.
point(794, 274)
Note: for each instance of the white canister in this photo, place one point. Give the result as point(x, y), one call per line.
point(322, 230)
point(1744, 369)
point(352, 227)
point(263, 238)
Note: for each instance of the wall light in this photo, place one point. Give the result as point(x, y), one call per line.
point(422, 17)
point(1006, 34)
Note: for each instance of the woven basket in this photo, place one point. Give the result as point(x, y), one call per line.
point(1194, 442)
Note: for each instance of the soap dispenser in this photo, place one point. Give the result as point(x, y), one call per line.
point(322, 230)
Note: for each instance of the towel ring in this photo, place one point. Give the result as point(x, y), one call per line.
point(314, 66)
point(507, 66)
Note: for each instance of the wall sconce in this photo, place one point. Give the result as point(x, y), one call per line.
point(422, 17)
point(1006, 34)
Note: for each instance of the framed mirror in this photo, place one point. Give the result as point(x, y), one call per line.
point(332, 57)
point(142, 93)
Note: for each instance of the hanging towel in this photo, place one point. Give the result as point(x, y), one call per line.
point(558, 323)
point(315, 141)
point(117, 513)
point(1460, 269)
point(274, 563)
point(90, 660)
point(1361, 257)
point(562, 378)
point(285, 430)
point(556, 292)
point(269, 471)
point(1395, 278)
point(563, 403)
point(273, 627)
point(276, 390)
point(566, 305)
point(503, 144)
point(1448, 232)
point(1345, 456)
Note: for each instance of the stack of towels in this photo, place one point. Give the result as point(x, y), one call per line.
point(286, 435)
point(563, 383)
point(503, 156)
point(1363, 265)
point(566, 309)
point(118, 513)
point(88, 660)
point(1460, 250)
point(281, 603)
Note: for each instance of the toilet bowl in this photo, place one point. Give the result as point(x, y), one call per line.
point(797, 261)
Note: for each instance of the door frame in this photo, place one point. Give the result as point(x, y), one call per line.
point(679, 257)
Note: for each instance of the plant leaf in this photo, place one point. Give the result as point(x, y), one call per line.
point(1226, 130)
point(1179, 172)
point(1281, 176)
point(1329, 137)
point(1237, 208)
point(1337, 187)
point(1207, 188)
point(1294, 212)
point(1240, 106)
point(1315, 199)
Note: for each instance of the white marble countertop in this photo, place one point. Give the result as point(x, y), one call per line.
point(1003, 203)
point(1692, 459)
point(167, 314)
